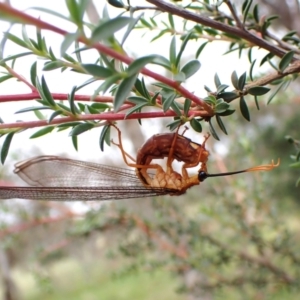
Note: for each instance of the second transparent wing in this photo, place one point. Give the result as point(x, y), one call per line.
point(50, 171)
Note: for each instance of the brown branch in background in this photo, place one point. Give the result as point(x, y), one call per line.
point(137, 8)
point(179, 252)
point(246, 35)
point(292, 69)
point(261, 261)
point(14, 229)
point(282, 44)
point(234, 281)
point(54, 248)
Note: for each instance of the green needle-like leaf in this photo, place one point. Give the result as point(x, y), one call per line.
point(183, 45)
point(16, 40)
point(72, 104)
point(69, 39)
point(258, 90)
point(191, 68)
point(45, 92)
point(286, 60)
point(168, 101)
point(136, 108)
point(172, 51)
point(187, 105)
point(235, 80)
point(221, 124)
point(242, 81)
point(107, 29)
point(97, 71)
point(5, 146)
point(80, 128)
point(217, 81)
point(140, 63)
point(75, 142)
point(116, 3)
point(244, 109)
point(213, 131)
point(123, 91)
point(196, 125)
point(42, 132)
point(104, 137)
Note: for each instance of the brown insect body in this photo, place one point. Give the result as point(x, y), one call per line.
point(172, 146)
point(159, 146)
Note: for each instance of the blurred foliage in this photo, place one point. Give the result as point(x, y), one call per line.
point(232, 237)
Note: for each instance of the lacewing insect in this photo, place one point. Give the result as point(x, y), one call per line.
point(54, 178)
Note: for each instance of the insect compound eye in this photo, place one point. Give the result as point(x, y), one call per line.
point(202, 176)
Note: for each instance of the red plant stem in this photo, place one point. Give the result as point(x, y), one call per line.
point(24, 18)
point(56, 96)
point(21, 78)
point(109, 116)
point(62, 96)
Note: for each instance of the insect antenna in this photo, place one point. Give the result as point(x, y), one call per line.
point(203, 175)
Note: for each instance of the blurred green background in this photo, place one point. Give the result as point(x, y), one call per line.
point(229, 238)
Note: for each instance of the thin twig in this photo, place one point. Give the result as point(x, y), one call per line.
point(234, 14)
point(281, 43)
point(20, 78)
point(137, 8)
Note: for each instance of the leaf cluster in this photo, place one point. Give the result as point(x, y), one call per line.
point(124, 78)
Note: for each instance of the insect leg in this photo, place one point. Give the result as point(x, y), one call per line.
point(170, 156)
point(202, 157)
point(185, 129)
point(143, 168)
point(120, 146)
